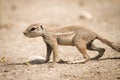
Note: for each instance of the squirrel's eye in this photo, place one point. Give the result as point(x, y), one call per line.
point(32, 29)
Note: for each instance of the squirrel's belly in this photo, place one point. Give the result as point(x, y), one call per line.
point(65, 41)
point(66, 38)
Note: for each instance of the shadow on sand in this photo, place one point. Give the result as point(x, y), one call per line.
point(39, 61)
point(112, 58)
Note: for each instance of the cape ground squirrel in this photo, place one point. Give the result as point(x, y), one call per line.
point(75, 35)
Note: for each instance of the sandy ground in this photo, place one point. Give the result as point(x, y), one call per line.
point(102, 16)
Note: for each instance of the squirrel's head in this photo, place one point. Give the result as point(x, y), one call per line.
point(34, 30)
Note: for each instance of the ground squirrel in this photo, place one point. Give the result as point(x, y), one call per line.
point(75, 35)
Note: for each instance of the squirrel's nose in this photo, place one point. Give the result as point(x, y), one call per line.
point(24, 33)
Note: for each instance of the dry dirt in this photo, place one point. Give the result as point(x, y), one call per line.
point(102, 16)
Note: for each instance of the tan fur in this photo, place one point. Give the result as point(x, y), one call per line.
point(78, 36)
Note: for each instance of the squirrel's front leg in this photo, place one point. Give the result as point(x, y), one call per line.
point(49, 50)
point(51, 46)
point(55, 53)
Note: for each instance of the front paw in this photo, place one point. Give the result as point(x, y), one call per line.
point(46, 61)
point(62, 61)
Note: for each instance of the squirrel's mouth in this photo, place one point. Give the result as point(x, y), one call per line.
point(25, 33)
point(29, 35)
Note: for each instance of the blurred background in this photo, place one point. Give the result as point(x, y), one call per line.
point(102, 16)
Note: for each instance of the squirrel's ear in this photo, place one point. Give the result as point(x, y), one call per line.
point(41, 27)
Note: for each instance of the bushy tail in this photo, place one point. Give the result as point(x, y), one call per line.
point(111, 44)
